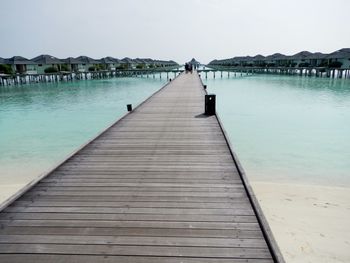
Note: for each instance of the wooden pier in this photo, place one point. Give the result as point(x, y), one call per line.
point(21, 79)
point(162, 184)
point(318, 72)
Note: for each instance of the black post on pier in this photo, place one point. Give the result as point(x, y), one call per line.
point(209, 108)
point(129, 107)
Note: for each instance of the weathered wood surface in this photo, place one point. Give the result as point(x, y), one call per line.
point(158, 186)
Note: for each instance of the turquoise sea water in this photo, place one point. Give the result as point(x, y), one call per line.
point(283, 128)
point(42, 123)
point(287, 128)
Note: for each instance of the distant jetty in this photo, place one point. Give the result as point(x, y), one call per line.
point(47, 68)
point(335, 64)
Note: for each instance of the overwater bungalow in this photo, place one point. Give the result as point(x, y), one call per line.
point(128, 63)
point(22, 65)
point(169, 63)
point(259, 61)
point(47, 64)
point(246, 61)
point(149, 62)
point(140, 63)
point(300, 59)
point(339, 58)
point(89, 64)
point(230, 62)
point(109, 63)
point(277, 60)
point(218, 62)
point(73, 64)
point(119, 63)
point(159, 63)
point(317, 60)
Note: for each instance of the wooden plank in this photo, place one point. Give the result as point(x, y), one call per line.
point(130, 240)
point(146, 185)
point(158, 194)
point(56, 203)
point(99, 179)
point(132, 210)
point(45, 258)
point(137, 231)
point(126, 217)
point(133, 198)
point(125, 250)
point(129, 224)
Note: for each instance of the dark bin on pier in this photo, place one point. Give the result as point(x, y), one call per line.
point(210, 104)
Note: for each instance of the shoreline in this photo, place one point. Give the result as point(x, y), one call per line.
point(309, 222)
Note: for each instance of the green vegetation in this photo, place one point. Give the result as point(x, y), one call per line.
point(101, 66)
point(6, 69)
point(140, 66)
point(122, 66)
point(97, 67)
point(51, 70)
point(64, 67)
point(304, 64)
point(335, 64)
point(323, 64)
point(92, 68)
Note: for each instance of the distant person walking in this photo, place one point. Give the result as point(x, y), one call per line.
point(188, 67)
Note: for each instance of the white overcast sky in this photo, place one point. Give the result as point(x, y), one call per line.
point(172, 29)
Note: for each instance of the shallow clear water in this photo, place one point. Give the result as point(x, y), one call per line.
point(283, 128)
point(42, 123)
point(287, 128)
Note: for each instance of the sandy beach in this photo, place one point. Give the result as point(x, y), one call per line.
point(310, 223)
point(14, 177)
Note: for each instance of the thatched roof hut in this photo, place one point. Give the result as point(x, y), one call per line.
point(258, 57)
point(108, 60)
point(18, 60)
point(275, 57)
point(317, 55)
point(72, 61)
point(47, 60)
point(301, 55)
point(343, 53)
point(88, 60)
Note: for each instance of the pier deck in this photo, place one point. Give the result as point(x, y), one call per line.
point(160, 185)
